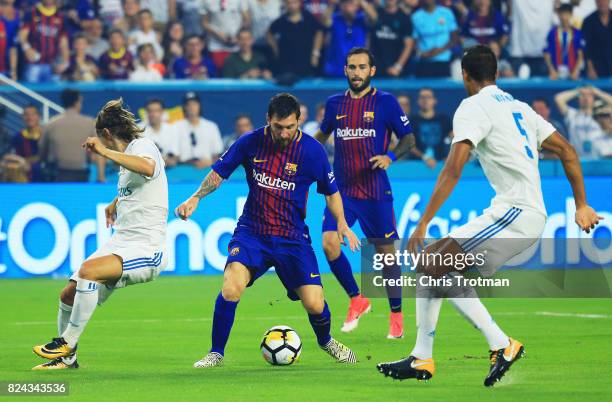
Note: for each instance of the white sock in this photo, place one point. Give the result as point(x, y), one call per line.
point(427, 312)
point(85, 303)
point(476, 312)
point(63, 317)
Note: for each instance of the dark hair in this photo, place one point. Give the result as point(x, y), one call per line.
point(144, 11)
point(116, 31)
point(143, 46)
point(543, 100)
point(361, 50)
point(480, 63)
point(70, 97)
point(283, 105)
point(79, 35)
point(565, 8)
point(187, 38)
point(119, 121)
point(150, 101)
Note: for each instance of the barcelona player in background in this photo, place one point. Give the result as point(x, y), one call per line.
point(362, 120)
point(280, 164)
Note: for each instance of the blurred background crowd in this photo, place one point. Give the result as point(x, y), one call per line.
point(285, 41)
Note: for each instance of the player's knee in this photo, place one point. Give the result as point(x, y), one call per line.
point(314, 306)
point(87, 271)
point(232, 291)
point(331, 246)
point(67, 295)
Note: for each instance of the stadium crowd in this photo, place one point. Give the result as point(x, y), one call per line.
point(149, 40)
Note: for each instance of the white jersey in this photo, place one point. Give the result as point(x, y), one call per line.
point(142, 207)
point(506, 135)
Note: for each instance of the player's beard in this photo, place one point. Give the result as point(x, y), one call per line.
point(282, 142)
point(359, 85)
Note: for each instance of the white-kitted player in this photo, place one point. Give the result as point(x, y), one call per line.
point(135, 252)
point(506, 135)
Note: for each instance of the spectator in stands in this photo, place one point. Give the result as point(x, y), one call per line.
point(433, 131)
point(222, 21)
point(200, 142)
point(597, 31)
point(582, 129)
point(435, 33)
point(82, 66)
point(62, 139)
point(263, 13)
point(117, 62)
point(484, 25)
point(404, 102)
point(129, 21)
point(145, 34)
point(296, 39)
point(563, 52)
point(194, 65)
point(163, 10)
point(147, 69)
point(188, 12)
point(6, 143)
point(9, 26)
point(391, 39)
point(26, 142)
point(44, 42)
point(172, 42)
point(542, 107)
point(348, 23)
point(311, 127)
point(504, 67)
point(97, 44)
point(531, 22)
point(160, 132)
point(603, 116)
point(110, 12)
point(246, 62)
point(242, 125)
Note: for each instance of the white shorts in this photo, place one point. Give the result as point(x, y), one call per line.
point(141, 263)
point(500, 233)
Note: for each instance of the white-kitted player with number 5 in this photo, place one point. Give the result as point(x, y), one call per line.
point(505, 134)
point(135, 252)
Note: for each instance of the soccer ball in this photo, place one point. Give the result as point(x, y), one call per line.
point(281, 346)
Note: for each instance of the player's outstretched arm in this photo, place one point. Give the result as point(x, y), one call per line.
point(448, 178)
point(334, 203)
point(586, 217)
point(209, 184)
point(134, 163)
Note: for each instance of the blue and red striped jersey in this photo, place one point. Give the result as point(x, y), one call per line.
point(362, 128)
point(278, 181)
point(46, 26)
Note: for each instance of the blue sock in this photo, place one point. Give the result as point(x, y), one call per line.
point(343, 273)
point(394, 293)
point(223, 319)
point(321, 324)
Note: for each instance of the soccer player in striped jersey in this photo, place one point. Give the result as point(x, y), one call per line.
point(280, 163)
point(135, 252)
point(505, 134)
point(362, 120)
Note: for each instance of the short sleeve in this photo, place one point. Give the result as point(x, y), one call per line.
point(328, 118)
point(543, 128)
point(470, 123)
point(326, 181)
point(232, 158)
point(397, 119)
point(147, 149)
point(452, 22)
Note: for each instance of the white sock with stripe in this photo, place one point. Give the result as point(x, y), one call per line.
point(63, 317)
point(85, 303)
point(427, 313)
point(476, 312)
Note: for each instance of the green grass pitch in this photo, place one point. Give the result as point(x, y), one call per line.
point(142, 343)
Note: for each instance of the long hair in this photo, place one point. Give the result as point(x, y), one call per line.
point(119, 121)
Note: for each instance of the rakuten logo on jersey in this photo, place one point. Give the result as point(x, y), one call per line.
point(355, 133)
point(263, 180)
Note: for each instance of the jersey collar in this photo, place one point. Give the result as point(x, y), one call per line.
point(372, 92)
point(488, 88)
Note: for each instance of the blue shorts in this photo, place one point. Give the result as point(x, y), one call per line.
point(376, 218)
point(294, 260)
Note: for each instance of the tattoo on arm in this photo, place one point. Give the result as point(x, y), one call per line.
point(406, 144)
point(209, 184)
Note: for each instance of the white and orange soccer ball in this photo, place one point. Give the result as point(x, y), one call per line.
point(281, 346)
